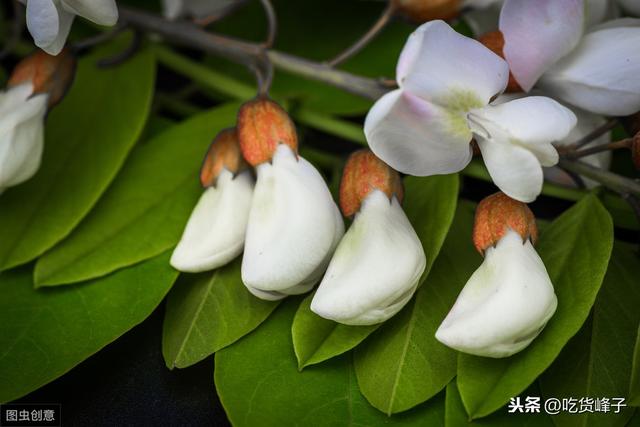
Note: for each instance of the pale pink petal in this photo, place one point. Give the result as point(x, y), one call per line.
point(417, 137)
point(539, 33)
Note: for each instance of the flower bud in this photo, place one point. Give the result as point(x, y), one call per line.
point(48, 74)
point(494, 40)
point(635, 150)
point(364, 173)
point(262, 126)
point(420, 11)
point(224, 153)
point(497, 214)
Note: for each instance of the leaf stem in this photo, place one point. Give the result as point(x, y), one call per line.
point(614, 181)
point(623, 143)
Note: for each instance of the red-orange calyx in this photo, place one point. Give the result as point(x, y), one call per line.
point(262, 126)
point(47, 73)
point(364, 173)
point(224, 153)
point(498, 213)
point(494, 41)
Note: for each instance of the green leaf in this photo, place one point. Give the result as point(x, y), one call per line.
point(316, 339)
point(403, 364)
point(259, 384)
point(208, 312)
point(575, 249)
point(88, 137)
point(585, 367)
point(144, 211)
point(430, 204)
point(45, 333)
point(634, 388)
point(455, 415)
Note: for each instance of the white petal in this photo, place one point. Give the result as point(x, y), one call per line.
point(292, 226)
point(521, 120)
point(630, 6)
point(42, 21)
point(601, 74)
point(102, 12)
point(505, 304)
point(417, 137)
point(449, 69)
point(21, 134)
point(514, 169)
point(537, 34)
point(376, 267)
point(216, 229)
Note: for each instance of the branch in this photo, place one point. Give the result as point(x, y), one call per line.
point(188, 35)
point(378, 26)
point(613, 181)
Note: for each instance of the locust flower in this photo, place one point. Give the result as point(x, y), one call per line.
point(378, 263)
point(509, 299)
point(49, 21)
point(37, 83)
point(216, 229)
point(294, 224)
point(553, 44)
point(446, 82)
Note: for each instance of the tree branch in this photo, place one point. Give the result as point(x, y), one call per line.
point(189, 35)
point(613, 181)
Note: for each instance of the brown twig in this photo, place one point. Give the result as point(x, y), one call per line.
point(186, 34)
point(272, 22)
point(596, 133)
point(366, 38)
point(576, 154)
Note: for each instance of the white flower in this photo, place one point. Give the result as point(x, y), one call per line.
point(505, 304)
point(601, 74)
point(216, 229)
point(376, 267)
point(21, 134)
point(49, 21)
point(446, 83)
point(294, 227)
point(198, 8)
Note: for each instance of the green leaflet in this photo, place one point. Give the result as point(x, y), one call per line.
point(45, 333)
point(575, 249)
point(455, 415)
point(144, 211)
point(430, 204)
point(208, 312)
point(402, 364)
point(259, 384)
point(88, 137)
point(597, 361)
point(316, 339)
